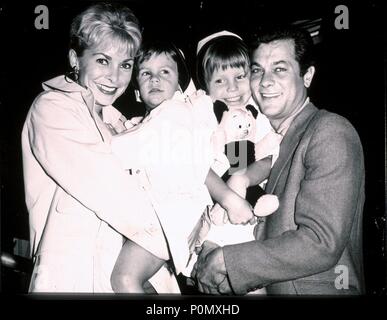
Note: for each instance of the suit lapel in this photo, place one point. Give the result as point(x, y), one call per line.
point(289, 144)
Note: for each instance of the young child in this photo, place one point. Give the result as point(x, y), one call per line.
point(171, 145)
point(223, 70)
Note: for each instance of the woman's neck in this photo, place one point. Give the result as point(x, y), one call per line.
point(98, 110)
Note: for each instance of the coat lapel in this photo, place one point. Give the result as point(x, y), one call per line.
point(289, 144)
point(62, 84)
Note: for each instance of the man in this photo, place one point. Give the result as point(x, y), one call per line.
point(313, 243)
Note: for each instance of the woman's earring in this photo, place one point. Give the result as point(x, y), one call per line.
point(73, 74)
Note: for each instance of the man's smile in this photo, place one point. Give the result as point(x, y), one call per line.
point(269, 95)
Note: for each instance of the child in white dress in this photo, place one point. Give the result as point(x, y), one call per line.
point(172, 145)
point(223, 70)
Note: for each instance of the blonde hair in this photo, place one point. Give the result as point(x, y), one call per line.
point(106, 21)
point(221, 53)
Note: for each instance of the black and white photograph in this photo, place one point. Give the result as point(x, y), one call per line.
point(156, 151)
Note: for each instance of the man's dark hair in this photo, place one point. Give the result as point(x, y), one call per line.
point(303, 43)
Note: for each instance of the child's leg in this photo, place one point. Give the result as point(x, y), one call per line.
point(133, 268)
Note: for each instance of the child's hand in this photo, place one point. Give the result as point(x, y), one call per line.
point(133, 122)
point(239, 211)
point(136, 120)
point(199, 98)
point(218, 215)
point(197, 94)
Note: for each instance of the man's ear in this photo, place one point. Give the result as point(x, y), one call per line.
point(308, 76)
point(73, 59)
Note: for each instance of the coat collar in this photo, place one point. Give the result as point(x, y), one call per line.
point(64, 84)
point(84, 96)
point(289, 144)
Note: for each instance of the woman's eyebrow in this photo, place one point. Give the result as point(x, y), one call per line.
point(105, 55)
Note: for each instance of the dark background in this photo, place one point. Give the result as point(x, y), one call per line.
point(350, 81)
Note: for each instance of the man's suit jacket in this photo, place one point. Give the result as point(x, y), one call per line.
point(313, 243)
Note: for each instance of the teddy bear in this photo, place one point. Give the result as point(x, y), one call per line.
point(234, 145)
point(236, 135)
point(235, 124)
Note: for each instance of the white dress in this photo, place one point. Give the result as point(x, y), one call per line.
point(173, 146)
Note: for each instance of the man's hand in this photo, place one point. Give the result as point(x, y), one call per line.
point(210, 270)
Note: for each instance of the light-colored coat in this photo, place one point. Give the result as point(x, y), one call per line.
point(313, 243)
point(77, 194)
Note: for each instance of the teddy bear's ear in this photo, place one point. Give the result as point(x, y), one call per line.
point(253, 111)
point(219, 108)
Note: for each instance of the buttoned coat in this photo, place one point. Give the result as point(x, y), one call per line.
point(80, 200)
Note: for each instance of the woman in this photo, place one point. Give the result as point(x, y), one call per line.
point(79, 199)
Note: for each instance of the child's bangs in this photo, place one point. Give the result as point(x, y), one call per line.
point(225, 62)
point(151, 53)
